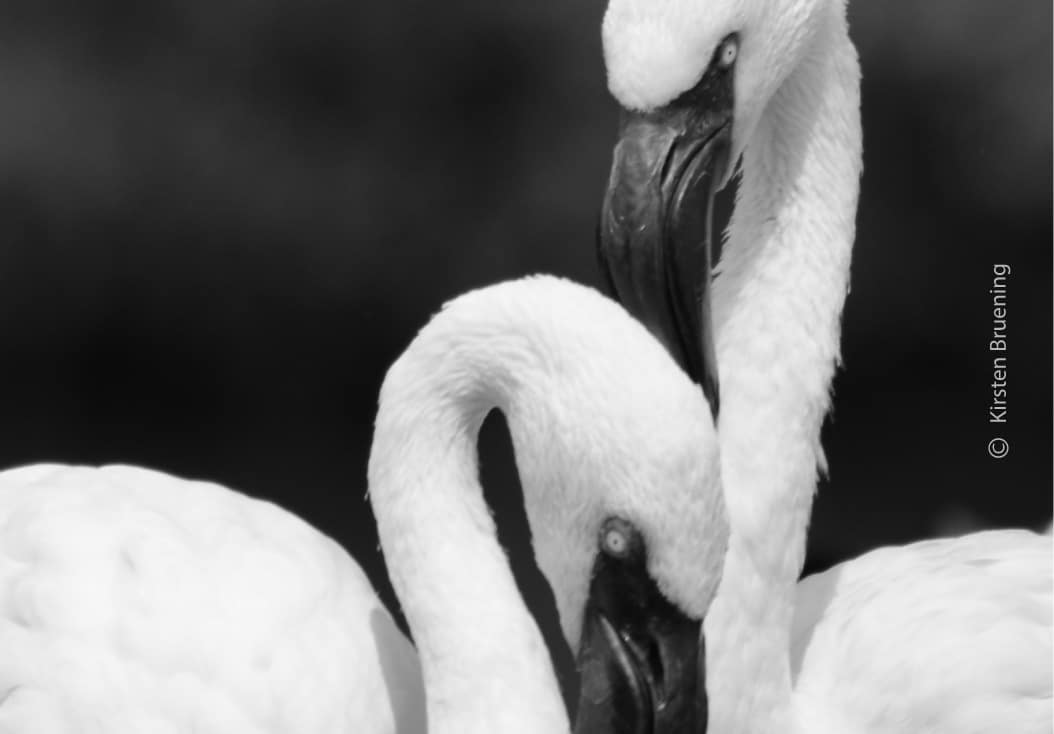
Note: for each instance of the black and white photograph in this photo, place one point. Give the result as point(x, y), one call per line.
point(608, 367)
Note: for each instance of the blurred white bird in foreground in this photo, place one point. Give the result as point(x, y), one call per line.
point(134, 601)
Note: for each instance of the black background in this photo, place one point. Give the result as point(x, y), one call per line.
point(220, 220)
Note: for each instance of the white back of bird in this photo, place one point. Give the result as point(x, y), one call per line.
point(133, 601)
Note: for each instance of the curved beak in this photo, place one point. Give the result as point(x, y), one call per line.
point(654, 238)
point(640, 659)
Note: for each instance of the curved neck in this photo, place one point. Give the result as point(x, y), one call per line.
point(484, 663)
point(777, 307)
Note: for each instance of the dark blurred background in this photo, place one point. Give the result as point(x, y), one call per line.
point(220, 220)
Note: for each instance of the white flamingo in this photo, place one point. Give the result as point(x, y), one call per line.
point(938, 637)
point(132, 601)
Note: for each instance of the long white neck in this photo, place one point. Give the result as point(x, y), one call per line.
point(485, 666)
point(777, 307)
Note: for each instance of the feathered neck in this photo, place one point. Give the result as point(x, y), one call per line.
point(777, 306)
point(483, 660)
point(597, 411)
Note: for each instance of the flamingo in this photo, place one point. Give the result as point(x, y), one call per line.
point(134, 601)
point(940, 636)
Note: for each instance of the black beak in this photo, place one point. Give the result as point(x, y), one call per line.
point(654, 238)
point(640, 657)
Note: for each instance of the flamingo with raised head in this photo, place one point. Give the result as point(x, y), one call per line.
point(942, 636)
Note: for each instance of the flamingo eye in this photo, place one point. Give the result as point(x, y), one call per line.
point(615, 542)
point(618, 538)
point(727, 52)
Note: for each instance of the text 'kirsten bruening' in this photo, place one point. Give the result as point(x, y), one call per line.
point(997, 410)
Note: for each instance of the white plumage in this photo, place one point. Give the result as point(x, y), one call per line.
point(949, 635)
point(943, 637)
point(132, 601)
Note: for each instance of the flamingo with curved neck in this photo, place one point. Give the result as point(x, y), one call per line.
point(701, 83)
point(606, 432)
point(134, 601)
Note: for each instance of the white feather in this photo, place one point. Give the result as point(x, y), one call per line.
point(950, 635)
point(133, 601)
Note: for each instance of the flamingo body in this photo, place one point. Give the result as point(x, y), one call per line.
point(946, 636)
point(133, 601)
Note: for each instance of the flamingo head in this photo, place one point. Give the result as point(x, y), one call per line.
point(693, 78)
point(617, 451)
